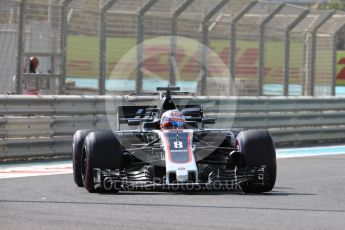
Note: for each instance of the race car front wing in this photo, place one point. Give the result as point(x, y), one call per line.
point(220, 179)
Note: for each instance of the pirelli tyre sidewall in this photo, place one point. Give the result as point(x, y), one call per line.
point(103, 150)
point(77, 147)
point(258, 149)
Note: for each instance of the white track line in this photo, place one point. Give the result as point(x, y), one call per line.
point(36, 169)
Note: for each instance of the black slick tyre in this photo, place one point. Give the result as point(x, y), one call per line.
point(77, 147)
point(101, 150)
point(258, 149)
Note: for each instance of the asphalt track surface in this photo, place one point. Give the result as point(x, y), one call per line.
point(309, 194)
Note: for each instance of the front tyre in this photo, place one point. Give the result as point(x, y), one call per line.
point(258, 149)
point(101, 150)
point(77, 148)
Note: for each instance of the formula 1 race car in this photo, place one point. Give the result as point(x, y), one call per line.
point(171, 148)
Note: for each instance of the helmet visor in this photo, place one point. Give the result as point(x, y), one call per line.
point(178, 124)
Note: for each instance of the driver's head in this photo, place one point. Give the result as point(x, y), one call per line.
point(172, 119)
point(34, 62)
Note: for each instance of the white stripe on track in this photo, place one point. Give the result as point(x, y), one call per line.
point(35, 169)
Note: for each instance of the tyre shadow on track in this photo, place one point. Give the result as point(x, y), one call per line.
point(281, 193)
point(273, 193)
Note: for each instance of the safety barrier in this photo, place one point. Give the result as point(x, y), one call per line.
point(42, 126)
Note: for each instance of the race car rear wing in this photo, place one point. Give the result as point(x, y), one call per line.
point(192, 112)
point(126, 114)
point(145, 113)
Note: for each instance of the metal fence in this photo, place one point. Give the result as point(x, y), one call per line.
point(9, 19)
point(268, 48)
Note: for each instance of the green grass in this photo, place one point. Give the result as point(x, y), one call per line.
point(86, 48)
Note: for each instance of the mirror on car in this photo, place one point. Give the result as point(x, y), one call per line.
point(207, 121)
point(133, 122)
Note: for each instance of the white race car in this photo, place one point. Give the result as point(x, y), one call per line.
point(173, 149)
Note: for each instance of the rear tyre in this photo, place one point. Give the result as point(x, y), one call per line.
point(258, 149)
point(102, 150)
point(77, 148)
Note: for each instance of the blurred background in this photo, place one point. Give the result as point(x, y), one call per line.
point(273, 48)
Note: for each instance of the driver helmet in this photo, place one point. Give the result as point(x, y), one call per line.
point(172, 119)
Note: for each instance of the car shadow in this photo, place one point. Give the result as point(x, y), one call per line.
point(206, 192)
